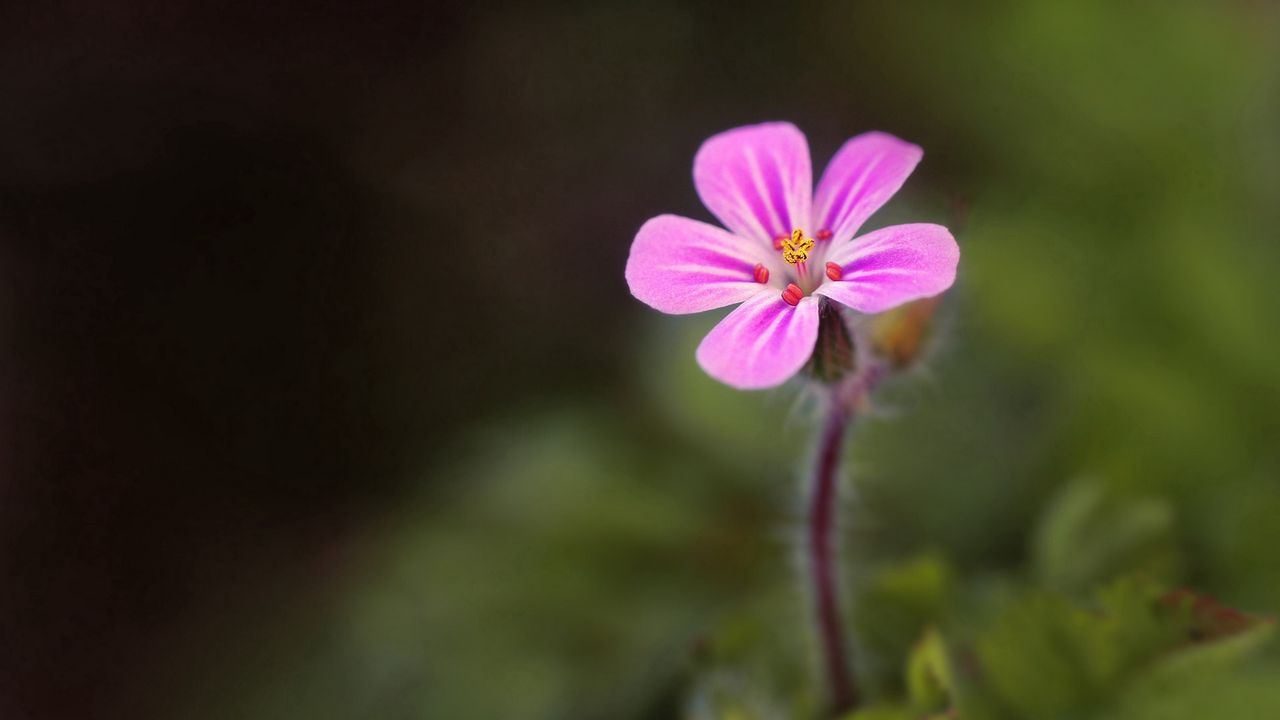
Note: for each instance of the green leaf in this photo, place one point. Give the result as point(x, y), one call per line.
point(892, 612)
point(929, 683)
point(1046, 657)
point(883, 712)
point(1091, 534)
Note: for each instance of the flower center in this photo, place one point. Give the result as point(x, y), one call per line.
point(795, 249)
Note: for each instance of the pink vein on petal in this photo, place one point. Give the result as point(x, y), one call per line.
point(678, 265)
point(762, 343)
point(893, 265)
point(866, 172)
point(756, 179)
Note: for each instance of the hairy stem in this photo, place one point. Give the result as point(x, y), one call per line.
point(821, 548)
point(844, 398)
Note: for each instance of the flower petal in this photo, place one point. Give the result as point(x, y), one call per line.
point(862, 176)
point(893, 265)
point(680, 266)
point(757, 179)
point(762, 343)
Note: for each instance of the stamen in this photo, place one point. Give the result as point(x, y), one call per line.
point(834, 271)
point(777, 242)
point(796, 249)
point(792, 294)
point(761, 273)
point(824, 234)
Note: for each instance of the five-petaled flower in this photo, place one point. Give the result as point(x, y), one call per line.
point(785, 247)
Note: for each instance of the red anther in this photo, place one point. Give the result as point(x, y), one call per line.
point(823, 234)
point(761, 273)
point(834, 271)
point(777, 242)
point(792, 294)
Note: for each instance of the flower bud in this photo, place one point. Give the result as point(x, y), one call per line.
point(899, 334)
point(833, 354)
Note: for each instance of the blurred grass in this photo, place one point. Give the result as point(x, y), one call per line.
point(1103, 402)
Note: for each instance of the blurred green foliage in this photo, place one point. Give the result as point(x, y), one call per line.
point(1096, 425)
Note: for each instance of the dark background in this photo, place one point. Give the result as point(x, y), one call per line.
point(294, 288)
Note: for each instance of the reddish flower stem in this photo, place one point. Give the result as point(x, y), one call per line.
point(822, 561)
point(844, 398)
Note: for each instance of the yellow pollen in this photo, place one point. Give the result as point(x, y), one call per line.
point(796, 249)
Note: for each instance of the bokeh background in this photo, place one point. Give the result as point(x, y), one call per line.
point(323, 395)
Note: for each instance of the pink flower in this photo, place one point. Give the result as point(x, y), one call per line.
point(786, 246)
